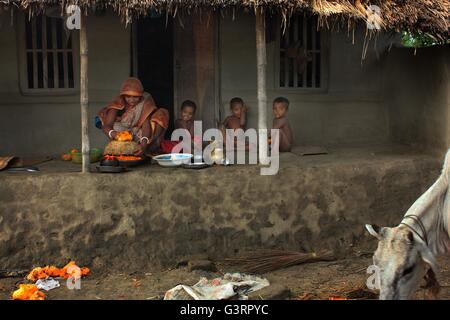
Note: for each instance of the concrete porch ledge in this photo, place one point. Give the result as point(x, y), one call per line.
point(154, 215)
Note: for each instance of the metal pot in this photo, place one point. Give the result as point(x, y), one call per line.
point(110, 162)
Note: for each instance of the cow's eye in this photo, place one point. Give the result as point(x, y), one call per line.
point(407, 271)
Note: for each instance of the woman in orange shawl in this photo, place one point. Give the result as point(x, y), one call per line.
point(134, 110)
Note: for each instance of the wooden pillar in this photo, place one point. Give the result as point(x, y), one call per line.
point(261, 63)
point(84, 98)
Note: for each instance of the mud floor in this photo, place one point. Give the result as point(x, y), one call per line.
point(320, 280)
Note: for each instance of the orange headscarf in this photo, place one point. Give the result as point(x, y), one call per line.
point(133, 87)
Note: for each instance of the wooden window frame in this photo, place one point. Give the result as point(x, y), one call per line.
point(324, 64)
point(22, 59)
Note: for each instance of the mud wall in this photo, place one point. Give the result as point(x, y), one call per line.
point(417, 94)
point(156, 215)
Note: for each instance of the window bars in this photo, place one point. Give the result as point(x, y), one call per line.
point(49, 54)
point(300, 54)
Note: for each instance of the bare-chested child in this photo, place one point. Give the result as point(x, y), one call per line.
point(280, 108)
point(238, 118)
point(186, 121)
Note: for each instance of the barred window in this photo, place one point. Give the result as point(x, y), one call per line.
point(50, 61)
point(300, 64)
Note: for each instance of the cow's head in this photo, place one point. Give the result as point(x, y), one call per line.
point(402, 262)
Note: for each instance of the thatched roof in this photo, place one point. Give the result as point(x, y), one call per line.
point(430, 16)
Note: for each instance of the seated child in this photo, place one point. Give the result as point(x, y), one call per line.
point(238, 118)
point(280, 108)
point(186, 121)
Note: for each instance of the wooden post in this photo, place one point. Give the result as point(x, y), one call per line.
point(84, 98)
point(261, 63)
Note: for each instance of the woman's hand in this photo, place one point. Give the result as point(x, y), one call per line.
point(142, 147)
point(113, 135)
point(139, 152)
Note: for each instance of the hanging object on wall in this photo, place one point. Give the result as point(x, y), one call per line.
point(301, 55)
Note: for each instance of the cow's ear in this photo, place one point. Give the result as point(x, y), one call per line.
point(410, 237)
point(374, 230)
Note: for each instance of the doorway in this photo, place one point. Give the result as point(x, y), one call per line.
point(154, 54)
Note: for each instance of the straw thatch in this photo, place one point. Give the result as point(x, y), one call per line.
point(429, 16)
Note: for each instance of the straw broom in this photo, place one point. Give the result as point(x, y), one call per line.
point(265, 260)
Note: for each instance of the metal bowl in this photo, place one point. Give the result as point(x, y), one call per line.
point(173, 159)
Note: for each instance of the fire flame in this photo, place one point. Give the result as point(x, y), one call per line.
point(109, 157)
point(128, 158)
point(122, 158)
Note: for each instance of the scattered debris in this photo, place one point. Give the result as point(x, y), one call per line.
point(70, 269)
point(262, 261)
point(47, 284)
point(352, 293)
point(42, 277)
point(28, 292)
point(234, 285)
point(13, 273)
point(272, 292)
point(305, 296)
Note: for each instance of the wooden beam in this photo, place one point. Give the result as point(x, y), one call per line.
point(134, 47)
point(84, 98)
point(261, 63)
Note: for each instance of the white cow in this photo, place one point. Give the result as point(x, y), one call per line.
point(406, 253)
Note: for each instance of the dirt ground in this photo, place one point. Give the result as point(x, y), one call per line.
point(320, 280)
